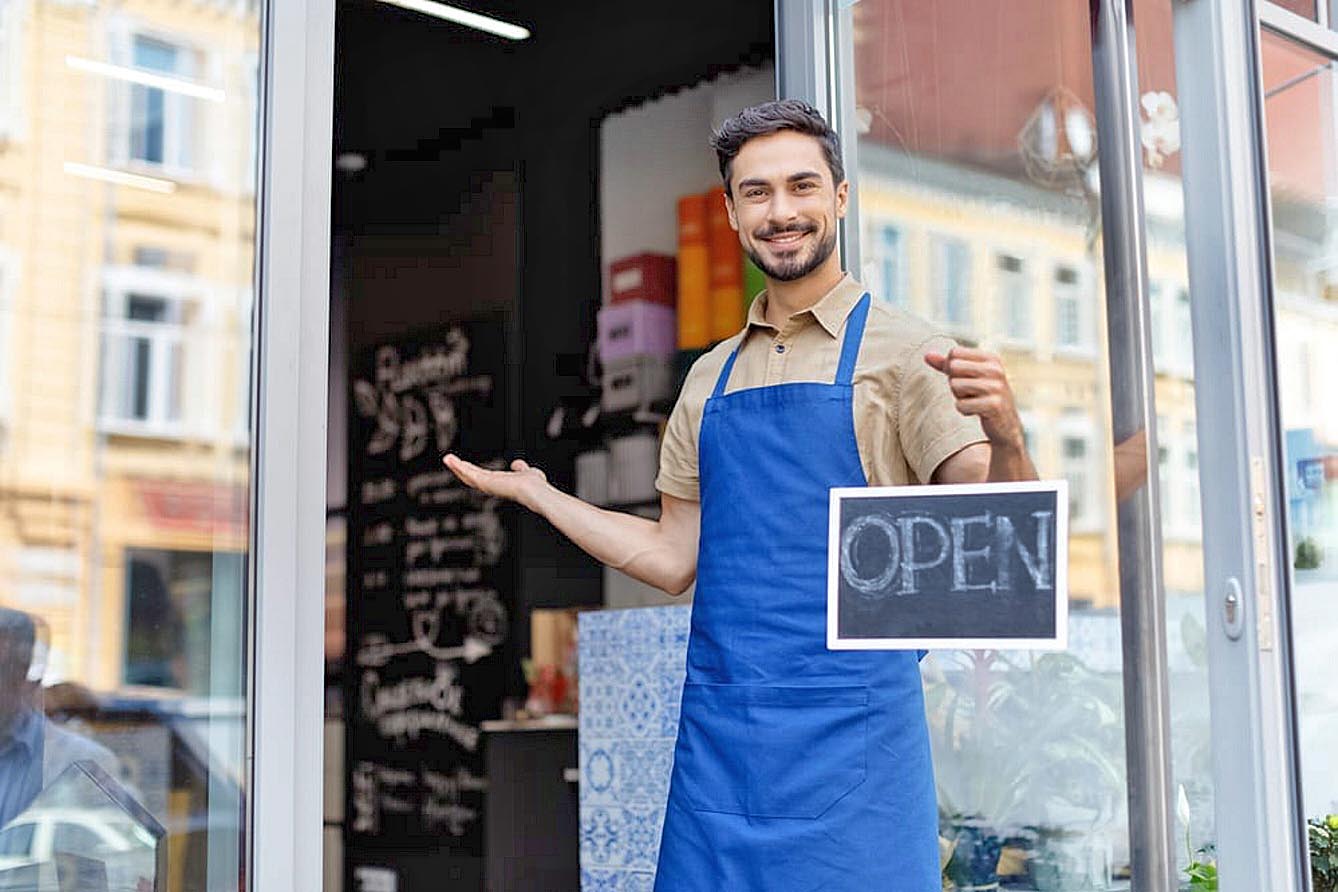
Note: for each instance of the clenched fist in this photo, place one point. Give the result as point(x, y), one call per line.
point(978, 382)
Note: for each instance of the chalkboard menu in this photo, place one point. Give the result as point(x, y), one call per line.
point(430, 590)
point(967, 566)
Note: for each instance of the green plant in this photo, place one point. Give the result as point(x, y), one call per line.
point(1025, 734)
point(1307, 554)
point(1202, 876)
point(1324, 853)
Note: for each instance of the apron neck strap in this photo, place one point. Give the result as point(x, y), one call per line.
point(845, 368)
point(721, 381)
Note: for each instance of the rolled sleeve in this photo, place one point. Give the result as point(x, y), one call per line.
point(678, 474)
point(931, 428)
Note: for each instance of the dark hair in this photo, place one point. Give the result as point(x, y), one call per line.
point(773, 117)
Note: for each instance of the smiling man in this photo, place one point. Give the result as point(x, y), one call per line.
point(795, 768)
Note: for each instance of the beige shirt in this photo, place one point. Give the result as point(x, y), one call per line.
point(906, 420)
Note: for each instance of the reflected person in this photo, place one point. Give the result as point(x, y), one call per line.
point(33, 749)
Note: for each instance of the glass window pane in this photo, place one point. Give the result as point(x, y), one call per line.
point(990, 153)
point(1303, 185)
point(125, 314)
point(1176, 432)
point(1307, 8)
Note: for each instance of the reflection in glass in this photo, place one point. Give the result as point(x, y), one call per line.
point(984, 159)
point(127, 229)
point(1299, 109)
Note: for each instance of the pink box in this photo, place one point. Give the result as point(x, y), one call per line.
point(636, 328)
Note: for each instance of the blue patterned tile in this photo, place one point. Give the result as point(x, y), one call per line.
point(632, 667)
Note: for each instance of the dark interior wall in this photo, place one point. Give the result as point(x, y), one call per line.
point(437, 108)
point(480, 192)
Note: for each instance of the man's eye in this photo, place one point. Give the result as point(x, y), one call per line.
point(753, 193)
point(806, 186)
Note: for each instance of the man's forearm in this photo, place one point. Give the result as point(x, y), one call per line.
point(639, 547)
point(1009, 463)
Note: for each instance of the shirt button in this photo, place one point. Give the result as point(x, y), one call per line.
point(780, 348)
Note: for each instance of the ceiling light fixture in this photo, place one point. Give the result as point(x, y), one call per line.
point(146, 78)
point(464, 17)
point(119, 177)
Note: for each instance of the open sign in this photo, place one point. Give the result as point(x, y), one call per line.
point(961, 566)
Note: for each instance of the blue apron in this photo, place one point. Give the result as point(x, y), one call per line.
point(796, 768)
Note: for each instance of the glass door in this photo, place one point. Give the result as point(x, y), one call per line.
point(1300, 113)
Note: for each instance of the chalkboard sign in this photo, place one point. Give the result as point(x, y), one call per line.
point(954, 566)
point(430, 590)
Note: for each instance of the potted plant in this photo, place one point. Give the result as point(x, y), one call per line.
point(1323, 833)
point(1038, 734)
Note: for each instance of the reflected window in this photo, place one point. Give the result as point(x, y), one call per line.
point(952, 282)
point(889, 263)
point(1189, 477)
point(6, 325)
point(16, 840)
point(77, 840)
point(1181, 356)
point(1078, 465)
point(1072, 316)
point(161, 126)
point(11, 69)
point(175, 638)
point(1157, 301)
point(1014, 298)
point(143, 340)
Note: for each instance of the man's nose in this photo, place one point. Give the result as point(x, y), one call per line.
point(782, 209)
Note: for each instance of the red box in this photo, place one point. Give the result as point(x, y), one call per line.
point(648, 276)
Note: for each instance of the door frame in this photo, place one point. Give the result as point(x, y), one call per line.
point(290, 328)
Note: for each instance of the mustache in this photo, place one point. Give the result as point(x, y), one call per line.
point(799, 228)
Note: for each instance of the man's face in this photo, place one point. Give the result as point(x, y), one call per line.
point(784, 204)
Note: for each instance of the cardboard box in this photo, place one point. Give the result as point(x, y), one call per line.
point(648, 276)
point(636, 328)
point(636, 382)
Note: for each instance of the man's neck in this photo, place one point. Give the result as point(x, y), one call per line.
point(785, 299)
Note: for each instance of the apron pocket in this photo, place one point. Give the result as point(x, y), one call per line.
point(807, 748)
point(711, 758)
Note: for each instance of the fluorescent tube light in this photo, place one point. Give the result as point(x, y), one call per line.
point(464, 17)
point(119, 177)
point(146, 78)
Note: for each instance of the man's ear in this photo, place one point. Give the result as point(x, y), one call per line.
point(729, 208)
point(842, 199)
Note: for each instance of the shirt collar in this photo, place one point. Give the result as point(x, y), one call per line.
point(830, 311)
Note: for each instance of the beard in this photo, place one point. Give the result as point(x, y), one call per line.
point(798, 266)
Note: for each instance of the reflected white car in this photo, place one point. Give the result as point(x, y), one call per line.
point(108, 836)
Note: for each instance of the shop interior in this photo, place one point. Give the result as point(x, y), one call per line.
point(523, 264)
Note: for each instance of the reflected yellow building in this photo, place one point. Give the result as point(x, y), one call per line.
point(1017, 268)
point(127, 223)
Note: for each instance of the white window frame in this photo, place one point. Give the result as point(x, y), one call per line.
point(186, 119)
point(1157, 289)
point(1084, 294)
point(291, 331)
point(1002, 305)
point(190, 300)
point(939, 245)
point(9, 277)
point(897, 293)
point(13, 19)
point(1078, 425)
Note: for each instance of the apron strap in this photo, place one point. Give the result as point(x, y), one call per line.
point(721, 381)
point(845, 369)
